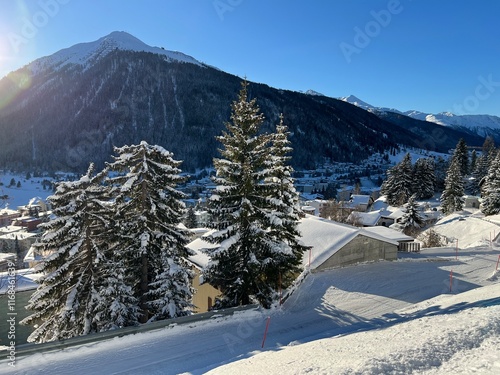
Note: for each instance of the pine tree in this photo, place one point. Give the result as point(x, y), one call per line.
point(240, 208)
point(191, 221)
point(452, 198)
point(473, 161)
point(462, 155)
point(285, 253)
point(490, 190)
point(411, 220)
point(399, 183)
point(423, 178)
point(478, 175)
point(65, 302)
point(148, 211)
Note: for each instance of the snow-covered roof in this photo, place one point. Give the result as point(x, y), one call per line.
point(8, 211)
point(199, 258)
point(391, 234)
point(25, 280)
point(327, 237)
point(357, 199)
point(365, 218)
point(379, 204)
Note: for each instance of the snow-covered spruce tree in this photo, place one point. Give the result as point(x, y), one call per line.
point(423, 178)
point(411, 220)
point(247, 209)
point(190, 220)
point(399, 183)
point(462, 154)
point(66, 302)
point(285, 252)
point(479, 173)
point(147, 212)
point(452, 198)
point(490, 189)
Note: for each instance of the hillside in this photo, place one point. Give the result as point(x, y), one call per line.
point(62, 111)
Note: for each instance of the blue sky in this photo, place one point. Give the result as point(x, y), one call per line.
point(431, 56)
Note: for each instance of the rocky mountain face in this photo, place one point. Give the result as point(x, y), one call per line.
point(71, 108)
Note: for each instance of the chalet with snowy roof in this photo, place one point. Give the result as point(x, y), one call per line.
point(360, 202)
point(7, 215)
point(364, 219)
point(471, 201)
point(205, 294)
point(336, 245)
point(405, 243)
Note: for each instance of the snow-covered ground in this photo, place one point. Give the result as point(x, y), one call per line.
point(30, 189)
point(376, 318)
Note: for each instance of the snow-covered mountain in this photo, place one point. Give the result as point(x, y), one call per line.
point(86, 54)
point(473, 122)
point(367, 107)
point(482, 125)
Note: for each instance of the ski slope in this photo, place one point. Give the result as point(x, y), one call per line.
point(385, 317)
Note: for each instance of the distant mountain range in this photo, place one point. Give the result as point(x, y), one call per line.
point(482, 125)
point(68, 109)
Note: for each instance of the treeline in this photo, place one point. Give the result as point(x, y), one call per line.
point(465, 173)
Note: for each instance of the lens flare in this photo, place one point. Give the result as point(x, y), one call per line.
point(12, 85)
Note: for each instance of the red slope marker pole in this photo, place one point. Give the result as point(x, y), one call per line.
point(280, 291)
point(498, 261)
point(451, 279)
point(265, 331)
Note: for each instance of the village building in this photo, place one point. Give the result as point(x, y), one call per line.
point(336, 245)
point(204, 294)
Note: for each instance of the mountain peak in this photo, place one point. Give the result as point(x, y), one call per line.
point(357, 102)
point(89, 52)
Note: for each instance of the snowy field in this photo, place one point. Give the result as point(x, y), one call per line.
point(22, 195)
point(437, 312)
point(376, 318)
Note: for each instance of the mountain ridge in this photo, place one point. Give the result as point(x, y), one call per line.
point(88, 52)
point(70, 108)
point(483, 125)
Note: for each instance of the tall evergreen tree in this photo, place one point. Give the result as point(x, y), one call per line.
point(441, 166)
point(423, 178)
point(488, 147)
point(191, 221)
point(452, 198)
point(490, 190)
point(473, 161)
point(285, 252)
point(66, 302)
point(478, 175)
point(252, 209)
point(148, 211)
point(399, 183)
point(462, 155)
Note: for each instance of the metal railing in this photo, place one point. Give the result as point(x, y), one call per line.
point(29, 348)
